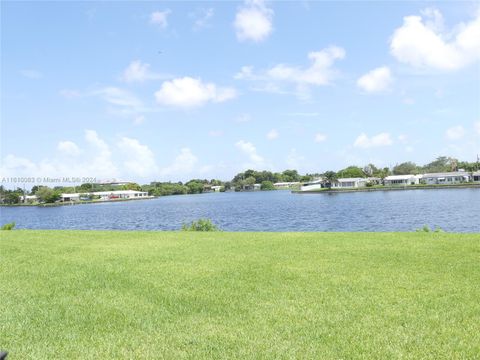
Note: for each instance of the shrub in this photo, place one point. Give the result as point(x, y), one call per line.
point(425, 228)
point(8, 226)
point(200, 225)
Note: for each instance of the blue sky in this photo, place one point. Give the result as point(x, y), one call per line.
point(172, 91)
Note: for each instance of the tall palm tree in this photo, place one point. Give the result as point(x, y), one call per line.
point(329, 178)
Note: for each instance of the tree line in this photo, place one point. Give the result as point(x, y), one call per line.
point(241, 181)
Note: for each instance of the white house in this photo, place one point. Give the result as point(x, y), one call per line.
point(70, 197)
point(401, 180)
point(216, 188)
point(121, 194)
point(312, 185)
point(350, 183)
point(446, 178)
point(29, 198)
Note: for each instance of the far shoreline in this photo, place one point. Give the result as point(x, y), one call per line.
point(391, 188)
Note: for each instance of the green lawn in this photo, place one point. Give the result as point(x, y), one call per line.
point(183, 295)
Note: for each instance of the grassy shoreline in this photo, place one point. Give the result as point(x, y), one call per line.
point(184, 295)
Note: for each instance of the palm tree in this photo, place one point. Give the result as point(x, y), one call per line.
point(329, 178)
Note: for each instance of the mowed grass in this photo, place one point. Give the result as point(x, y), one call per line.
point(183, 295)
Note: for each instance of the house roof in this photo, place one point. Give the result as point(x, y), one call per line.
point(351, 179)
point(399, 177)
point(445, 174)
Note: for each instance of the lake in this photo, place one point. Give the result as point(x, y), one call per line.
point(454, 210)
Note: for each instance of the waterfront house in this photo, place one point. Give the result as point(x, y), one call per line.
point(350, 183)
point(70, 197)
point(216, 188)
point(121, 194)
point(312, 185)
point(456, 177)
point(29, 198)
point(401, 180)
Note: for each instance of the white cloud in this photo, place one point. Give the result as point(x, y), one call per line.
point(422, 42)
point(376, 80)
point(120, 97)
point(319, 73)
point(101, 163)
point(95, 162)
point(137, 71)
point(140, 160)
point(190, 92)
point(31, 74)
point(455, 133)
point(272, 134)
point(382, 139)
point(253, 21)
point(159, 18)
point(202, 18)
point(68, 148)
point(184, 163)
point(249, 149)
point(319, 137)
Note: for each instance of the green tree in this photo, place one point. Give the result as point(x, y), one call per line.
point(47, 195)
point(329, 178)
point(406, 168)
point(267, 185)
point(351, 172)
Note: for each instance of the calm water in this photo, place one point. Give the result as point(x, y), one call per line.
point(454, 210)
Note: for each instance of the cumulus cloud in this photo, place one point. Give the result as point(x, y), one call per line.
point(137, 71)
point(160, 18)
point(184, 163)
point(422, 42)
point(189, 92)
point(95, 161)
point(455, 133)
point(320, 72)
point(376, 80)
point(68, 148)
point(140, 160)
point(249, 149)
point(365, 142)
point(272, 134)
point(253, 21)
point(319, 137)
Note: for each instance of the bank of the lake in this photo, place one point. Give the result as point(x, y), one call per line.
point(181, 295)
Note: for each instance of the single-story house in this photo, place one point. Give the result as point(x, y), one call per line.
point(350, 183)
point(70, 197)
point(29, 198)
point(312, 185)
point(121, 194)
point(216, 188)
point(446, 178)
point(285, 185)
point(401, 180)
